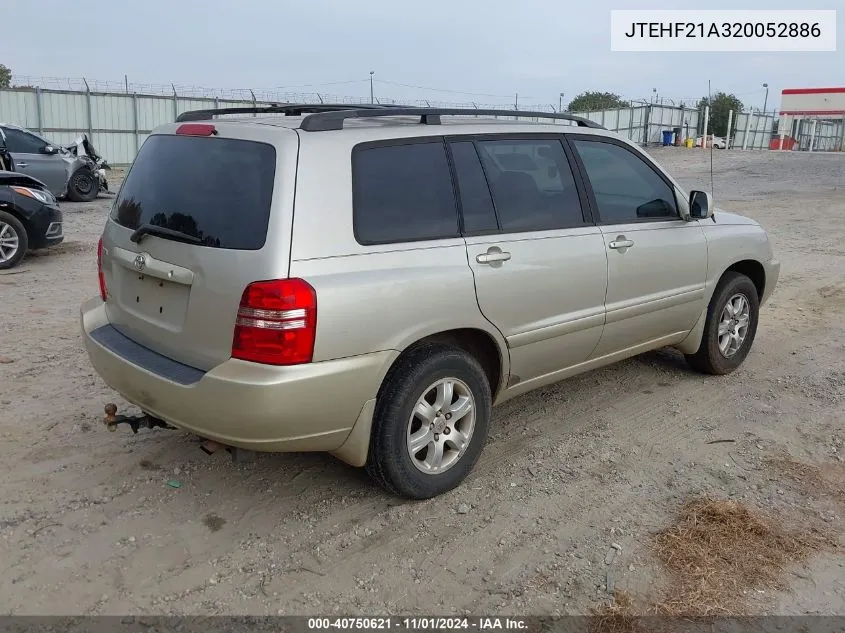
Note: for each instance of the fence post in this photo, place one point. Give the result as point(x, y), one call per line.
point(135, 121)
point(812, 133)
point(88, 106)
point(842, 135)
point(254, 103)
point(216, 103)
point(175, 103)
point(728, 134)
point(747, 129)
point(39, 118)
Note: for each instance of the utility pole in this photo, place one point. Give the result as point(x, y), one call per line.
point(766, 99)
point(372, 94)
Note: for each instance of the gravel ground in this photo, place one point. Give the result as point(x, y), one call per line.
point(574, 480)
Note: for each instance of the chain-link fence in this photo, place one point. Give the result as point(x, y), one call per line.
point(119, 116)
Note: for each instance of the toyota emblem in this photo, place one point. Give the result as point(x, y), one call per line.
point(140, 262)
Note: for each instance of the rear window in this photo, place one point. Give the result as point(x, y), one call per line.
point(217, 190)
point(403, 193)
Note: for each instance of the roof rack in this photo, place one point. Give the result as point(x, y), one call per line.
point(332, 119)
point(286, 109)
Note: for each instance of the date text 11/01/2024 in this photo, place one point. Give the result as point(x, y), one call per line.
point(417, 624)
point(725, 29)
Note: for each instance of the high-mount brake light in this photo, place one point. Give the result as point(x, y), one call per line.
point(196, 129)
point(276, 323)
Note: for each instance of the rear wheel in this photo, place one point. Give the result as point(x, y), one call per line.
point(83, 185)
point(431, 422)
point(13, 241)
point(730, 327)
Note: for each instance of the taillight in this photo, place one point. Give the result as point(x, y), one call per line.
point(276, 323)
point(103, 293)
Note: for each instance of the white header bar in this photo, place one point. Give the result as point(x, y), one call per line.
point(723, 31)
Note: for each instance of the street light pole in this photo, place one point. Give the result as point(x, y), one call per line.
point(766, 100)
point(372, 94)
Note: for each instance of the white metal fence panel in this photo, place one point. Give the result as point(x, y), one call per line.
point(120, 122)
point(62, 111)
point(112, 112)
point(19, 107)
point(752, 130)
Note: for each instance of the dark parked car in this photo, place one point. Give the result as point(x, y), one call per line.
point(30, 217)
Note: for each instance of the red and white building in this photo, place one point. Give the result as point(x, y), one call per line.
point(812, 119)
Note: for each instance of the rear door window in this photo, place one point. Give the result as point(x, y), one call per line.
point(217, 190)
point(532, 184)
point(477, 209)
point(403, 193)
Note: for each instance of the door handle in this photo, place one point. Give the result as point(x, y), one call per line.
point(617, 243)
point(491, 257)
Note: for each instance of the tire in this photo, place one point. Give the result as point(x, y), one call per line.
point(710, 357)
point(14, 242)
point(422, 374)
point(83, 185)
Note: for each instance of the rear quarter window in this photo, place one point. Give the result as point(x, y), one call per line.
point(402, 193)
point(218, 190)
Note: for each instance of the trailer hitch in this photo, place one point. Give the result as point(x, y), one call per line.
point(135, 422)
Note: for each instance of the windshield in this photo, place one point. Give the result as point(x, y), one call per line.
point(216, 190)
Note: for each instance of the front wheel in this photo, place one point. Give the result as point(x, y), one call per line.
point(431, 422)
point(730, 327)
point(13, 241)
point(83, 185)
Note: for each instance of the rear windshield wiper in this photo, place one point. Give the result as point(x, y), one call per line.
point(161, 231)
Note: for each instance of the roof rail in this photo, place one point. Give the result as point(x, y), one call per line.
point(325, 120)
point(286, 109)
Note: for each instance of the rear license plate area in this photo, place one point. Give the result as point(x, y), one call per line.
point(155, 299)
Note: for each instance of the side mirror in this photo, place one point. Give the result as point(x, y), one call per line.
point(49, 150)
point(700, 205)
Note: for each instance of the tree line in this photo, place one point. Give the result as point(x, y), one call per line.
point(720, 105)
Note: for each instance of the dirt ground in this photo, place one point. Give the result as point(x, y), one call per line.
point(558, 513)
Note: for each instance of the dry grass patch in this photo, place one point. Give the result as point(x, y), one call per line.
point(715, 551)
point(618, 616)
point(825, 482)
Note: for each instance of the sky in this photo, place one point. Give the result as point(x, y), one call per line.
point(461, 51)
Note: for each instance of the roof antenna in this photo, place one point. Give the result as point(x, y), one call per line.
point(710, 103)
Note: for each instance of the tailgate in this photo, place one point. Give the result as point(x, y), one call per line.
point(197, 219)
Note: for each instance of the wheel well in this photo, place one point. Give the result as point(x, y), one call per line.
point(16, 214)
point(754, 271)
point(475, 342)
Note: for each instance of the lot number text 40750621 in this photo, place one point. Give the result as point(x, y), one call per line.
point(417, 623)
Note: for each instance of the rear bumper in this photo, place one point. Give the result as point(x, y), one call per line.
point(257, 407)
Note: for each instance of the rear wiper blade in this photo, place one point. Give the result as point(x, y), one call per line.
point(161, 231)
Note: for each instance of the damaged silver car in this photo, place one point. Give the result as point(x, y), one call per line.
point(75, 171)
